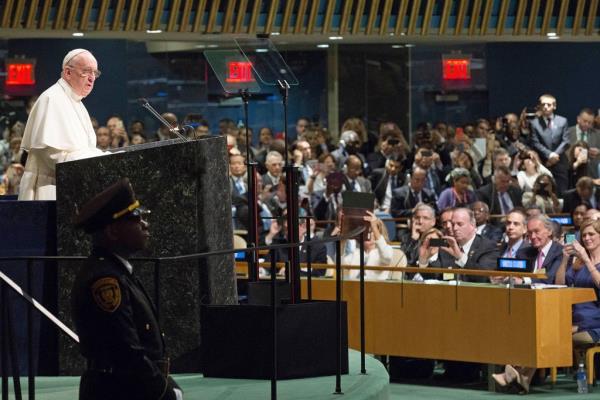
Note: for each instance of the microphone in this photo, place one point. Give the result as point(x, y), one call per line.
point(175, 130)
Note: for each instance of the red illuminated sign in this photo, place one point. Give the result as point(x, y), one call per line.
point(20, 73)
point(239, 72)
point(456, 68)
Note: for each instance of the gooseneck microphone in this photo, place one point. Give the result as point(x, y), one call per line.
point(175, 130)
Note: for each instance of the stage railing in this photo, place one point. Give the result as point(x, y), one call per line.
point(8, 342)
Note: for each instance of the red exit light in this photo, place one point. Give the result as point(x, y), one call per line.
point(456, 68)
point(20, 73)
point(239, 72)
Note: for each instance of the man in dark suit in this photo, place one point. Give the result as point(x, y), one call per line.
point(385, 180)
point(405, 198)
point(389, 147)
point(278, 235)
point(584, 192)
point(584, 131)
point(465, 248)
point(544, 253)
point(114, 317)
point(500, 195)
point(354, 181)
point(550, 138)
point(484, 228)
point(516, 230)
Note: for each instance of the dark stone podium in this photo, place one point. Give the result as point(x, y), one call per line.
point(186, 186)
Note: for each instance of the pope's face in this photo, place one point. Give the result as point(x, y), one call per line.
point(81, 73)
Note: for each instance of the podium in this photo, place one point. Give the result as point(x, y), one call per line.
point(186, 186)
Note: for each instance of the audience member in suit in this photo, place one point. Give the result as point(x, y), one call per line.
point(405, 198)
point(326, 203)
point(384, 181)
point(389, 147)
point(349, 145)
point(584, 131)
point(422, 220)
point(584, 192)
point(550, 138)
point(446, 221)
point(580, 271)
point(516, 230)
point(500, 195)
point(544, 252)
point(436, 172)
point(465, 248)
point(302, 156)
point(484, 228)
point(239, 189)
point(274, 164)
point(578, 216)
point(278, 235)
point(354, 181)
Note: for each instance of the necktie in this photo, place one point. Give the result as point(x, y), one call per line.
point(503, 204)
point(510, 252)
point(240, 186)
point(540, 260)
point(584, 136)
point(353, 185)
point(549, 123)
point(394, 182)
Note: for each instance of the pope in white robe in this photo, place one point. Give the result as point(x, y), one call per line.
point(59, 127)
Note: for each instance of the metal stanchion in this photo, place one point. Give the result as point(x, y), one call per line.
point(3, 342)
point(274, 309)
point(308, 262)
point(363, 369)
point(9, 343)
point(30, 360)
point(338, 312)
point(157, 288)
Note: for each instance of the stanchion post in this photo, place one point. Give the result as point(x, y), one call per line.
point(363, 369)
point(30, 360)
point(157, 288)
point(338, 313)
point(274, 324)
point(308, 262)
point(3, 344)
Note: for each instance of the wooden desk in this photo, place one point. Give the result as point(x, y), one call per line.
point(479, 323)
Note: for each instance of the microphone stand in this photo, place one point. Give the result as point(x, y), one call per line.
point(253, 216)
point(291, 188)
point(144, 103)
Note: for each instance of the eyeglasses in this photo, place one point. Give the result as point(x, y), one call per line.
point(87, 72)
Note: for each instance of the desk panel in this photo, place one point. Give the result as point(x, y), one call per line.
point(479, 323)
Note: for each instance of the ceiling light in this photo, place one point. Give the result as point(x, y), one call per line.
point(336, 37)
point(200, 46)
point(323, 46)
point(262, 50)
point(275, 33)
point(409, 45)
point(553, 37)
point(551, 34)
point(212, 46)
point(154, 31)
point(397, 46)
point(77, 34)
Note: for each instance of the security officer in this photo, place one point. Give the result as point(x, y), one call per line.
point(113, 315)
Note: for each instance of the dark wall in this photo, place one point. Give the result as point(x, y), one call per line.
point(518, 73)
point(109, 95)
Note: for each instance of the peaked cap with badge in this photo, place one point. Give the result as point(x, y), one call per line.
point(115, 202)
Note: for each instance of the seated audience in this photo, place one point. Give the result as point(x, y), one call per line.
point(446, 221)
point(578, 216)
point(465, 248)
point(579, 267)
point(459, 194)
point(422, 220)
point(482, 218)
point(544, 195)
point(530, 167)
point(354, 181)
point(584, 192)
point(405, 198)
point(499, 194)
point(579, 162)
point(378, 252)
point(317, 181)
point(385, 181)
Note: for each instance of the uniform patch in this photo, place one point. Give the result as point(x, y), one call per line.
point(107, 294)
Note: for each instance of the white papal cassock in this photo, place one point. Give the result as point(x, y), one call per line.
point(58, 129)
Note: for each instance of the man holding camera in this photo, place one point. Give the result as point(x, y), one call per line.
point(464, 249)
point(550, 138)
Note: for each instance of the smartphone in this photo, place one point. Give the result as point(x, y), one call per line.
point(426, 153)
point(393, 142)
point(584, 153)
point(569, 238)
point(438, 242)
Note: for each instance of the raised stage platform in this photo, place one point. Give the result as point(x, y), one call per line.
point(372, 386)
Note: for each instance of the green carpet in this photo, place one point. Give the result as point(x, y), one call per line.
point(373, 386)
